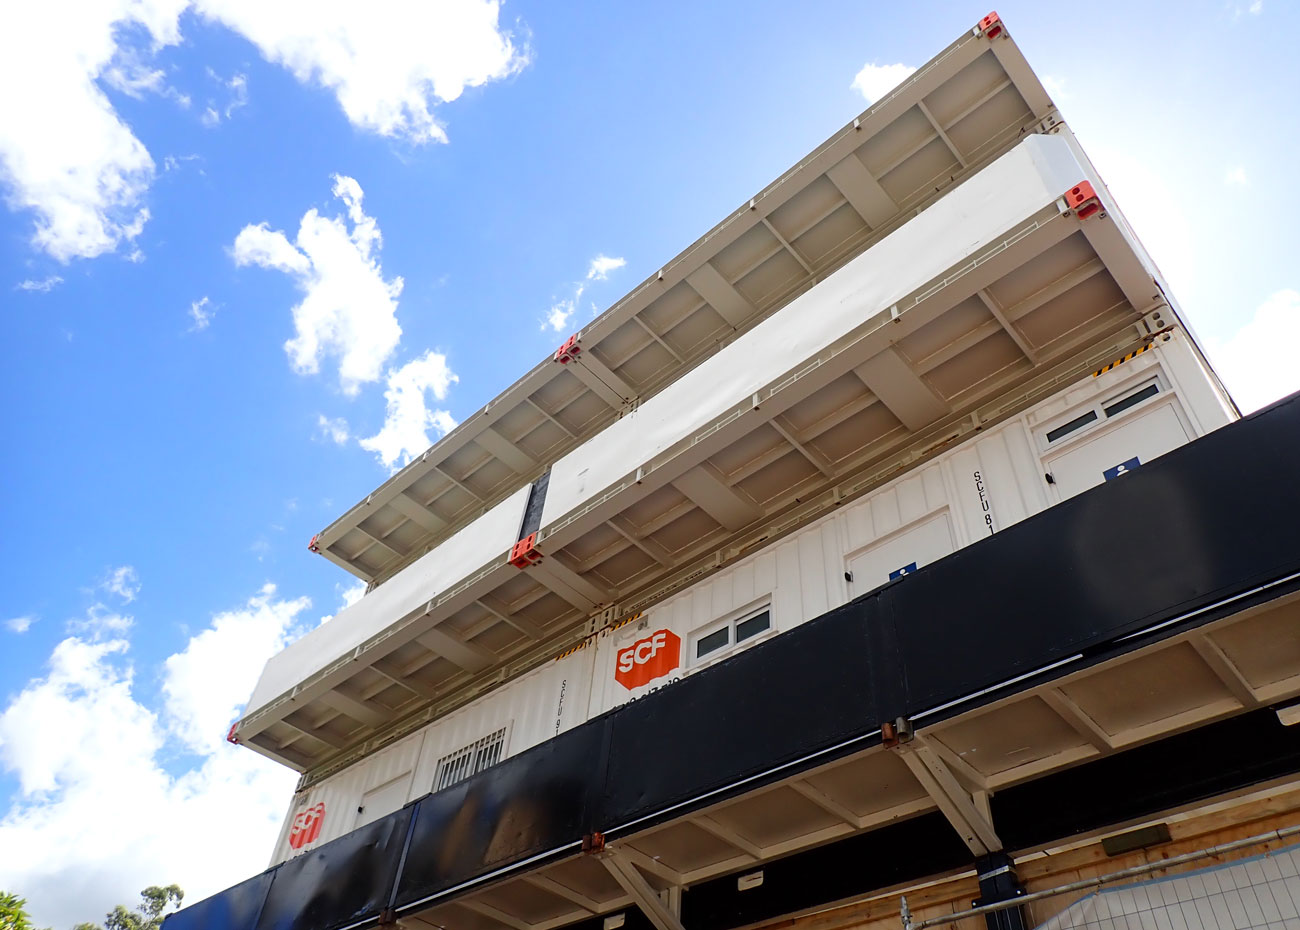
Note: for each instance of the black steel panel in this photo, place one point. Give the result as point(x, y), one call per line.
point(1183, 769)
point(902, 852)
point(533, 509)
point(1214, 517)
point(339, 883)
point(233, 909)
point(798, 693)
point(530, 804)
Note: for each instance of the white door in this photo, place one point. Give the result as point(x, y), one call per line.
point(901, 554)
point(1115, 452)
point(383, 800)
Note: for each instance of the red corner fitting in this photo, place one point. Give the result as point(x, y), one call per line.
point(525, 552)
point(991, 26)
point(231, 737)
point(312, 545)
point(569, 351)
point(1082, 199)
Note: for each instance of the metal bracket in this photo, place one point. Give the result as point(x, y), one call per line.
point(959, 806)
point(630, 879)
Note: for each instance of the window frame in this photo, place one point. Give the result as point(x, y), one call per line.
point(1098, 408)
point(729, 623)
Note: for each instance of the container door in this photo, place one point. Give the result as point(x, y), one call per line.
point(1114, 453)
point(901, 554)
point(383, 800)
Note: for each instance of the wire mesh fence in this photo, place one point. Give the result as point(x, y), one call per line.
point(1259, 893)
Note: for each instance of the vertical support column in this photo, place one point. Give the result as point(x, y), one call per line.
point(999, 882)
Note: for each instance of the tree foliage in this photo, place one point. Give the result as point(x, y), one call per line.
point(148, 916)
point(13, 913)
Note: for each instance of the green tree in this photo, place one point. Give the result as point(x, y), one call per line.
point(148, 916)
point(13, 913)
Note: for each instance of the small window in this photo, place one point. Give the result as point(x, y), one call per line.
point(1119, 406)
point(716, 640)
point(733, 633)
point(470, 760)
point(756, 624)
point(1066, 429)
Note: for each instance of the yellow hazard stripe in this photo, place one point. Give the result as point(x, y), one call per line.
point(590, 638)
point(1120, 361)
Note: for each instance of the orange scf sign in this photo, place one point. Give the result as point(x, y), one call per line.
point(648, 659)
point(306, 826)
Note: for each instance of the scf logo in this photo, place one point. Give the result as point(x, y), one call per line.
point(306, 826)
point(648, 659)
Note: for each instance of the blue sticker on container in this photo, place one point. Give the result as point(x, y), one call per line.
point(1123, 468)
point(905, 570)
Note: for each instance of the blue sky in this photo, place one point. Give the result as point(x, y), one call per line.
point(201, 372)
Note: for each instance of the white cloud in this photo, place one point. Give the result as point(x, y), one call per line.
point(65, 154)
point(563, 309)
point(1258, 362)
point(602, 265)
point(875, 81)
point(100, 623)
point(207, 683)
point(1055, 87)
point(336, 431)
point(388, 64)
point(237, 87)
point(408, 418)
point(20, 624)
point(99, 815)
point(201, 312)
point(1236, 176)
point(44, 286)
point(557, 318)
point(124, 582)
point(349, 311)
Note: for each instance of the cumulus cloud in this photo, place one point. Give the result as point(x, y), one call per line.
point(19, 624)
point(201, 313)
point(103, 810)
point(237, 88)
point(44, 286)
point(602, 265)
point(557, 318)
point(563, 308)
point(65, 153)
point(388, 64)
point(408, 417)
point(207, 682)
point(875, 81)
point(124, 582)
point(336, 430)
point(348, 311)
point(68, 157)
point(1258, 362)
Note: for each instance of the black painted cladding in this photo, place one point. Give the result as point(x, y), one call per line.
point(1211, 520)
point(776, 702)
point(337, 883)
point(1207, 520)
point(504, 814)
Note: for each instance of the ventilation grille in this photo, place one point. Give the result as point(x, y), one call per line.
point(478, 755)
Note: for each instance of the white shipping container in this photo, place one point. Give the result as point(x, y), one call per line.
point(1138, 410)
point(976, 489)
point(517, 716)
